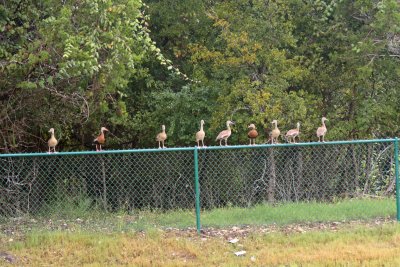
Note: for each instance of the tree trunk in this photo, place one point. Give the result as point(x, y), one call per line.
point(368, 169)
point(103, 174)
point(356, 169)
point(272, 178)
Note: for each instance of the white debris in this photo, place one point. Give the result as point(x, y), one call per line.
point(253, 258)
point(240, 253)
point(233, 241)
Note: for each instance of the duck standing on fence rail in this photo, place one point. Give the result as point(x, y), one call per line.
point(224, 135)
point(52, 143)
point(200, 135)
point(275, 133)
point(101, 139)
point(321, 131)
point(161, 137)
point(293, 133)
point(252, 134)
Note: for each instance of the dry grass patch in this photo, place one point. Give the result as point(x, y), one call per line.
point(373, 245)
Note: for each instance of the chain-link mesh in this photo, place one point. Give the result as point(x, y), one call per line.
point(112, 182)
point(164, 180)
point(244, 177)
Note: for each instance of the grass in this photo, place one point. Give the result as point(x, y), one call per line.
point(84, 218)
point(366, 246)
point(79, 238)
point(282, 214)
point(301, 212)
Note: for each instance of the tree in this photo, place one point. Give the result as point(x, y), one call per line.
point(346, 48)
point(66, 64)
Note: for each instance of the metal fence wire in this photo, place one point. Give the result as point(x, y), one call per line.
point(164, 180)
point(291, 174)
point(113, 182)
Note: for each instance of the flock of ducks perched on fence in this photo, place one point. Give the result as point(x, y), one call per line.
point(290, 136)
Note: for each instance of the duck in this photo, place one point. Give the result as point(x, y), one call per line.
point(321, 131)
point(224, 135)
point(52, 142)
point(292, 134)
point(161, 137)
point(200, 135)
point(252, 134)
point(275, 133)
point(100, 139)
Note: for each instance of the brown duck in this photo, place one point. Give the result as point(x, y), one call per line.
point(101, 139)
point(252, 134)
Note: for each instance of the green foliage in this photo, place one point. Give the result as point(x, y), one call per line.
point(77, 66)
point(291, 61)
point(77, 59)
point(181, 112)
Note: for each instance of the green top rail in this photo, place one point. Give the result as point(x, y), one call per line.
point(152, 150)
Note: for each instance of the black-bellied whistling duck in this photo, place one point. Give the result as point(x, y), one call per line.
point(252, 134)
point(200, 135)
point(275, 133)
point(321, 131)
point(52, 141)
point(224, 135)
point(101, 139)
point(293, 133)
point(161, 137)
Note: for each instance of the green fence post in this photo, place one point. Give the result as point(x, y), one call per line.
point(197, 188)
point(396, 173)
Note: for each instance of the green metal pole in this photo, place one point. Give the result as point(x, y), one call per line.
point(197, 188)
point(396, 173)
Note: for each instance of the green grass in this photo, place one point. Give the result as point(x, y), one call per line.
point(301, 212)
point(263, 214)
point(282, 214)
point(76, 208)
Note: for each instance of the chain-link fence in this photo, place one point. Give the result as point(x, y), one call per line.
point(244, 177)
point(164, 180)
point(160, 180)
